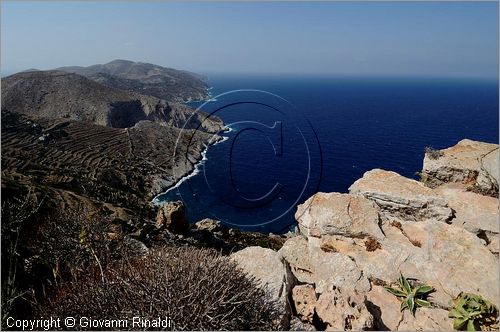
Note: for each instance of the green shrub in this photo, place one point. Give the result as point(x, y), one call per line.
point(473, 313)
point(197, 289)
point(413, 296)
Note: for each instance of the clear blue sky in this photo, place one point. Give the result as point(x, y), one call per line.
point(356, 38)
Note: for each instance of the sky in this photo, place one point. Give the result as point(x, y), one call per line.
point(448, 39)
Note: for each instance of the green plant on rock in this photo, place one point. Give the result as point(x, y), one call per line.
point(413, 296)
point(473, 313)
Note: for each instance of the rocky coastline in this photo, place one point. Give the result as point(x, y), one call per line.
point(332, 274)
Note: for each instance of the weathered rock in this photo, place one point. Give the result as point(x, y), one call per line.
point(463, 163)
point(172, 215)
point(493, 246)
point(387, 316)
point(135, 247)
point(209, 225)
point(385, 309)
point(295, 251)
point(342, 311)
point(487, 179)
point(297, 325)
point(273, 275)
point(311, 264)
point(304, 299)
point(338, 214)
point(426, 319)
point(476, 213)
point(335, 269)
point(449, 257)
point(444, 256)
point(445, 237)
point(400, 197)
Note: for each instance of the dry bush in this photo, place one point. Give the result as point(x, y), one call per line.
point(73, 241)
point(16, 214)
point(42, 246)
point(198, 289)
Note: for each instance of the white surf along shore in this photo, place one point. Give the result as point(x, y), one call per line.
point(197, 165)
point(196, 168)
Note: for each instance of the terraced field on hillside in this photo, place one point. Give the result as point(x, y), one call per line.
point(122, 167)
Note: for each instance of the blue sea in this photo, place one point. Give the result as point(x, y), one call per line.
point(292, 136)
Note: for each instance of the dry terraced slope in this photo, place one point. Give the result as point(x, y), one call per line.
point(77, 138)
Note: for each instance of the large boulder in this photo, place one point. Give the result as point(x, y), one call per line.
point(447, 257)
point(436, 236)
point(342, 311)
point(400, 197)
point(322, 267)
point(295, 251)
point(487, 179)
point(387, 315)
point(305, 301)
point(342, 214)
point(271, 273)
point(476, 213)
point(172, 216)
point(469, 162)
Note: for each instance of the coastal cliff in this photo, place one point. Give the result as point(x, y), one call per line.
point(441, 231)
point(82, 160)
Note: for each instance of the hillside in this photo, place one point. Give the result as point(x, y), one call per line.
point(57, 94)
point(81, 142)
point(145, 78)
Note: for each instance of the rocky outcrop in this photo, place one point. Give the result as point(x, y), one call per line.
point(351, 245)
point(340, 214)
point(401, 197)
point(472, 163)
point(272, 274)
point(487, 179)
point(476, 213)
point(297, 325)
point(305, 301)
point(343, 311)
point(172, 216)
point(346, 261)
point(386, 310)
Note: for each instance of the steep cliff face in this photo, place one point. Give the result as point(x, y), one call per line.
point(351, 245)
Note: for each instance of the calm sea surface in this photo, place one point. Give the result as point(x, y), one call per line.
point(327, 133)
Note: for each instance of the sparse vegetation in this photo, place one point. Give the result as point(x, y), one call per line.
point(473, 313)
point(197, 289)
point(15, 214)
point(412, 295)
point(42, 248)
point(433, 153)
point(372, 244)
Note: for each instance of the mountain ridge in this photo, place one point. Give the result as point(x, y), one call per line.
point(59, 94)
point(145, 78)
